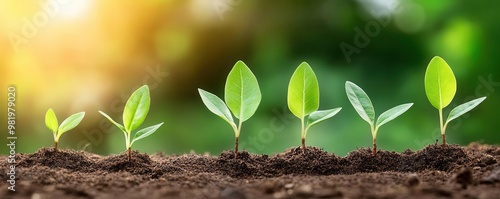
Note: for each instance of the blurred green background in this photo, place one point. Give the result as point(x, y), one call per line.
point(89, 55)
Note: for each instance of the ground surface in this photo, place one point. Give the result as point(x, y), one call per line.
point(433, 172)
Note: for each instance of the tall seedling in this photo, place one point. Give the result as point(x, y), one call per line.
point(363, 105)
point(136, 110)
point(440, 88)
point(242, 96)
point(303, 100)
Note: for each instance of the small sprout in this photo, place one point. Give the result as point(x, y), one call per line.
point(68, 124)
point(136, 110)
point(440, 88)
point(363, 105)
point(242, 95)
point(303, 100)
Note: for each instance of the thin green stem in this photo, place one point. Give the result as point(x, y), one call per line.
point(56, 140)
point(129, 152)
point(237, 131)
point(128, 145)
point(127, 140)
point(303, 133)
point(442, 126)
point(374, 135)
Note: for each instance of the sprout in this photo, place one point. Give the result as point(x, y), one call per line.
point(68, 124)
point(303, 100)
point(440, 88)
point(242, 96)
point(136, 110)
point(363, 105)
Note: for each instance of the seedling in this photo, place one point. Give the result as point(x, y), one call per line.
point(242, 96)
point(136, 110)
point(363, 105)
point(68, 124)
point(440, 88)
point(303, 100)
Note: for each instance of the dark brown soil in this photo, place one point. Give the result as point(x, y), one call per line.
point(433, 172)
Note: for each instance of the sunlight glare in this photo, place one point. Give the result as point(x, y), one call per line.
point(74, 8)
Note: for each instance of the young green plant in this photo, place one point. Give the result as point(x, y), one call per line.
point(136, 110)
point(363, 105)
point(68, 124)
point(242, 96)
point(303, 100)
point(440, 88)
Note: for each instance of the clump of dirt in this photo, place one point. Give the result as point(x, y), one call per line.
point(362, 160)
point(435, 171)
point(439, 157)
point(140, 164)
point(313, 161)
point(67, 159)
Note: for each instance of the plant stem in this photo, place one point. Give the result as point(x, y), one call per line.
point(303, 136)
point(442, 127)
point(237, 131)
point(374, 135)
point(55, 146)
point(235, 147)
point(129, 151)
point(303, 145)
point(129, 146)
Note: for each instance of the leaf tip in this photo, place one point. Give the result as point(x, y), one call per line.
point(305, 64)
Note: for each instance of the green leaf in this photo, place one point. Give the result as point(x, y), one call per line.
point(319, 116)
point(136, 108)
point(392, 113)
point(242, 92)
point(216, 106)
point(464, 108)
point(70, 123)
point(121, 127)
point(303, 91)
point(51, 121)
point(145, 132)
point(440, 83)
point(361, 102)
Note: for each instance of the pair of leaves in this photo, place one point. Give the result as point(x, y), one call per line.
point(441, 86)
point(303, 97)
point(134, 114)
point(68, 124)
point(242, 96)
point(363, 105)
